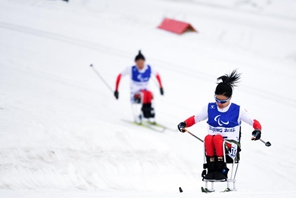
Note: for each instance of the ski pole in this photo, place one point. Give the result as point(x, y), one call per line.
point(101, 77)
point(268, 144)
point(193, 135)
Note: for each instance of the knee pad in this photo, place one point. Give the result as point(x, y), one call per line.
point(137, 98)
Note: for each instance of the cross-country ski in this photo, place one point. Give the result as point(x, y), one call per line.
point(152, 126)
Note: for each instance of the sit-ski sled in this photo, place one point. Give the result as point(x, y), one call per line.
point(231, 156)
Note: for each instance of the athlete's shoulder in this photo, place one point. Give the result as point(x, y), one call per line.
point(127, 70)
point(212, 106)
point(235, 105)
point(147, 67)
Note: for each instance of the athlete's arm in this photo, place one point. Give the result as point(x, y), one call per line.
point(157, 76)
point(247, 118)
point(200, 116)
point(125, 72)
point(158, 80)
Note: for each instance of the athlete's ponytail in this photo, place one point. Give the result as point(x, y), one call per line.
point(227, 83)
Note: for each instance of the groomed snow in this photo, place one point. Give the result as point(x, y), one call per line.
point(61, 130)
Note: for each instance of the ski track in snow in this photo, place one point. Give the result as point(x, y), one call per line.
point(61, 131)
point(165, 64)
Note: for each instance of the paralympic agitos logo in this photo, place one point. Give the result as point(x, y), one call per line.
point(220, 122)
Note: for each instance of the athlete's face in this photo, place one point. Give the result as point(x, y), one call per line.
point(140, 64)
point(222, 101)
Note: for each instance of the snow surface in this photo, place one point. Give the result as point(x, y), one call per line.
point(61, 133)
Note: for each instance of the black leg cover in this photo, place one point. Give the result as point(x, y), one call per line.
point(211, 168)
point(148, 110)
point(221, 170)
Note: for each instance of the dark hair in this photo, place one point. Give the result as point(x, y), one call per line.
point(139, 56)
point(228, 82)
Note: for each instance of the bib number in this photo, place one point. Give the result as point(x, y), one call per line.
point(233, 151)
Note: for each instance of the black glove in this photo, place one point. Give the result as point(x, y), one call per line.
point(116, 94)
point(161, 90)
point(181, 126)
point(256, 134)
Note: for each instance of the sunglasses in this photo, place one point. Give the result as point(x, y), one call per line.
point(221, 101)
